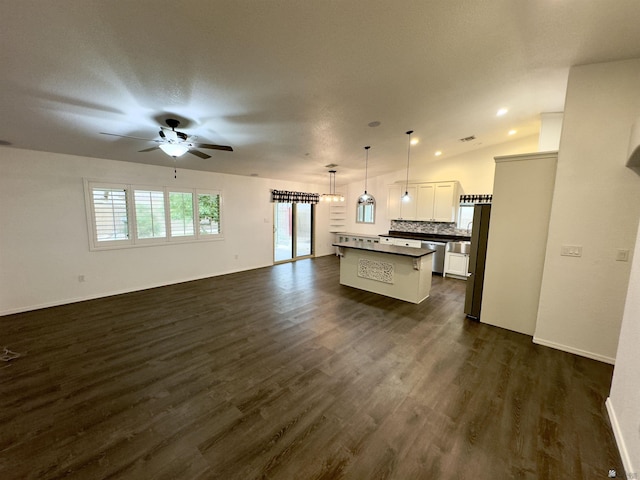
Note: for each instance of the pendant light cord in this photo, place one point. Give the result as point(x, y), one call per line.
point(406, 185)
point(366, 168)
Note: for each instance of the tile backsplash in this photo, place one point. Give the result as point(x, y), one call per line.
point(427, 227)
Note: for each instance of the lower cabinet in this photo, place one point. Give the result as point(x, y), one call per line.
point(456, 265)
point(401, 242)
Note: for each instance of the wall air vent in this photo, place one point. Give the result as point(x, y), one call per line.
point(468, 139)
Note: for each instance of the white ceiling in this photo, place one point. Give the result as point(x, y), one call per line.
point(293, 84)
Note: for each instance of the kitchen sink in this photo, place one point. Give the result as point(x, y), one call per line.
point(459, 247)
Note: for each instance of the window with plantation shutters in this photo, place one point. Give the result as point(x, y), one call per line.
point(181, 213)
point(150, 214)
point(132, 216)
point(109, 208)
point(209, 214)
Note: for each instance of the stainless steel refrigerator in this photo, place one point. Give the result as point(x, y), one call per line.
point(477, 257)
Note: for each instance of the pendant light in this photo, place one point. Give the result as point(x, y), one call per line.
point(406, 197)
point(365, 198)
point(332, 196)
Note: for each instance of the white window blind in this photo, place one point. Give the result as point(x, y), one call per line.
point(122, 215)
point(150, 218)
point(110, 214)
point(209, 213)
point(181, 213)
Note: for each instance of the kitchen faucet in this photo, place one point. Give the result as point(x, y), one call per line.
point(468, 227)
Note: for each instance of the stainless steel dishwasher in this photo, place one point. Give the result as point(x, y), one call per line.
point(438, 256)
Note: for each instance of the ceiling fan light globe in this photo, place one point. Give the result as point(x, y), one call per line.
point(174, 149)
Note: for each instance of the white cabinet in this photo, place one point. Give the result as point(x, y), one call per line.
point(445, 202)
point(398, 208)
point(406, 242)
point(437, 202)
point(401, 242)
point(430, 202)
point(426, 198)
point(456, 264)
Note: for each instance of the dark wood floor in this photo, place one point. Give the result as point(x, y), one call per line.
point(281, 373)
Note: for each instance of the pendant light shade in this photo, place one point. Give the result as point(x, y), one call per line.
point(406, 197)
point(332, 196)
point(366, 198)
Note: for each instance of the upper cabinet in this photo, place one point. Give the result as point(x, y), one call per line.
point(430, 202)
point(398, 208)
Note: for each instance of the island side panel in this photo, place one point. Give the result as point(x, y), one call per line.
point(406, 284)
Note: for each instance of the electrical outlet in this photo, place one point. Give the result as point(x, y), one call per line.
point(571, 251)
point(622, 255)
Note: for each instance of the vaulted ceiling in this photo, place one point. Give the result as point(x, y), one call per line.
point(293, 85)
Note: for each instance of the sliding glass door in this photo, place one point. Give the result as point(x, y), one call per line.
point(293, 231)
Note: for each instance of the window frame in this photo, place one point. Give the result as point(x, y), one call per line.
point(196, 213)
point(134, 212)
point(182, 238)
point(132, 240)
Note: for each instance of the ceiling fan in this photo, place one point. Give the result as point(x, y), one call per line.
point(176, 144)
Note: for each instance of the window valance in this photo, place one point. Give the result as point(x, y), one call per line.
point(285, 196)
point(473, 199)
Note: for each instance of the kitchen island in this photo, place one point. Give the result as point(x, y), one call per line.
point(394, 271)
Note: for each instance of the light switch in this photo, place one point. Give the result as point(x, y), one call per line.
point(571, 250)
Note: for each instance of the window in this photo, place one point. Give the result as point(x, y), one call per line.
point(209, 213)
point(181, 212)
point(150, 218)
point(109, 214)
point(465, 216)
point(127, 216)
point(366, 212)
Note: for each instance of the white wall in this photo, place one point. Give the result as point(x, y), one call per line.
point(474, 171)
point(550, 131)
point(596, 205)
point(624, 401)
point(44, 244)
point(517, 240)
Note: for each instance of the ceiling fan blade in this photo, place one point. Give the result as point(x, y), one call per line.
point(127, 136)
point(198, 153)
point(214, 147)
point(150, 149)
point(181, 135)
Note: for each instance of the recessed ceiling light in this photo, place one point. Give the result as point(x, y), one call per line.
point(438, 153)
point(375, 123)
point(513, 132)
point(414, 141)
point(502, 111)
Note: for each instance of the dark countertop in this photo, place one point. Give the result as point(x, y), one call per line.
point(384, 248)
point(427, 236)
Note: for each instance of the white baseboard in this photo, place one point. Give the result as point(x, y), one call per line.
point(622, 448)
point(577, 351)
point(67, 301)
